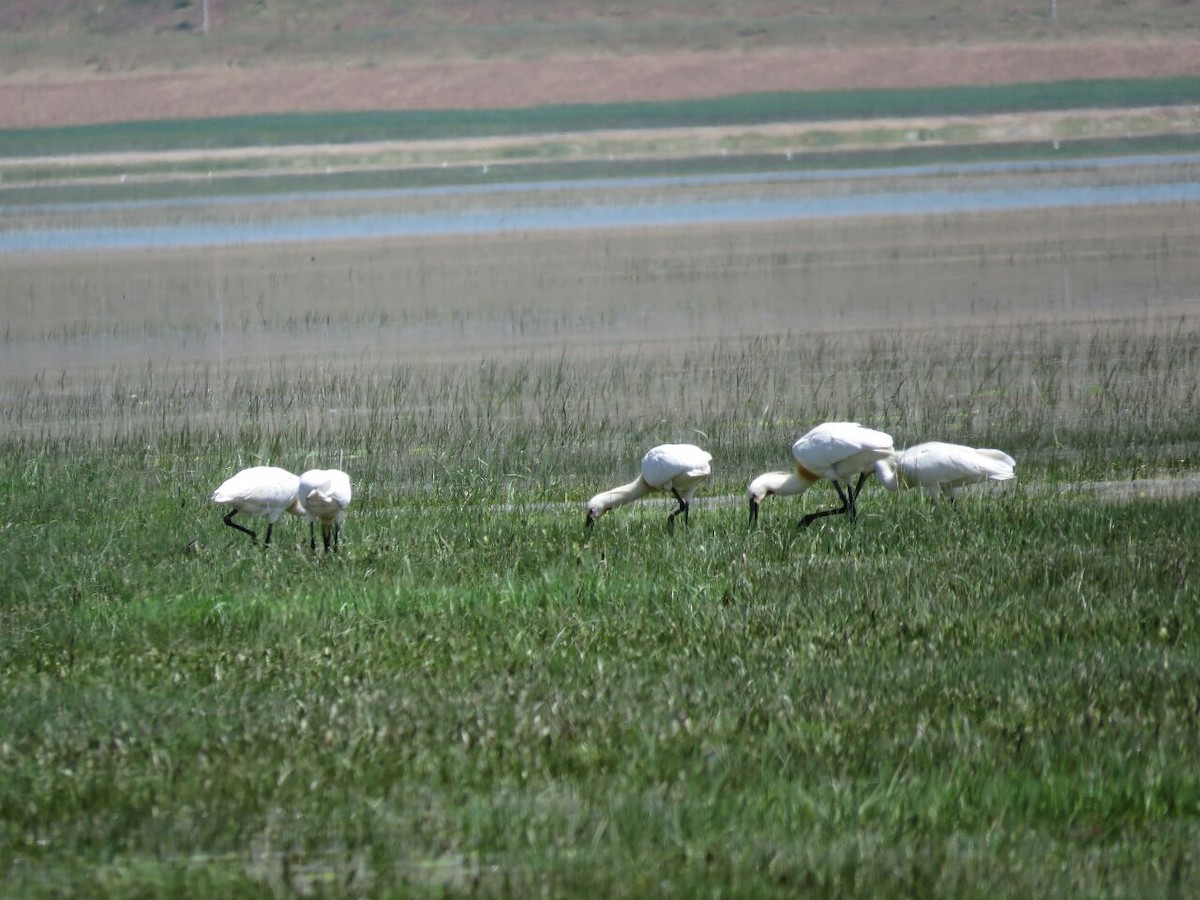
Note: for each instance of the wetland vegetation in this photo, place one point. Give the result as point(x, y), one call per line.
point(473, 698)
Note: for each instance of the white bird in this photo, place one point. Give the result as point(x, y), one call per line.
point(675, 469)
point(833, 450)
point(259, 490)
point(325, 495)
point(940, 468)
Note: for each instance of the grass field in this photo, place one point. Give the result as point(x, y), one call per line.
point(474, 698)
point(748, 109)
point(762, 132)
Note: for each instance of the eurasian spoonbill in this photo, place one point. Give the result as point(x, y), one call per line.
point(675, 469)
point(939, 468)
point(325, 495)
point(833, 450)
point(259, 490)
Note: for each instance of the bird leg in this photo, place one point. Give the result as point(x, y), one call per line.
point(862, 477)
point(326, 532)
point(267, 542)
point(312, 536)
point(683, 508)
point(847, 506)
point(228, 520)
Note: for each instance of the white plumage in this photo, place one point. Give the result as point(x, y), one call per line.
point(676, 469)
point(325, 496)
point(258, 491)
point(835, 451)
point(939, 468)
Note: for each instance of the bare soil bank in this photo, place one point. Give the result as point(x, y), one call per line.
point(47, 99)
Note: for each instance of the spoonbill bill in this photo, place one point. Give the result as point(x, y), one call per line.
point(943, 469)
point(833, 450)
point(325, 495)
point(257, 491)
point(675, 469)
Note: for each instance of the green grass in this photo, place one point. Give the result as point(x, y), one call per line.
point(473, 697)
point(349, 127)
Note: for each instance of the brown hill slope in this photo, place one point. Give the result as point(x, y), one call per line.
point(67, 62)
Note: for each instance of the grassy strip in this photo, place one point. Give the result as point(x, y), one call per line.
point(348, 127)
point(1096, 403)
point(175, 182)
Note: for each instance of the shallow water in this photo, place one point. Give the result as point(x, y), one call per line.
point(321, 216)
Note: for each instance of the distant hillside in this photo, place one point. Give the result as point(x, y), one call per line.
point(71, 62)
point(123, 35)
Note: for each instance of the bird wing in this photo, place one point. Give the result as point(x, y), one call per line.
point(828, 444)
point(666, 462)
point(341, 489)
point(940, 463)
point(259, 485)
point(332, 486)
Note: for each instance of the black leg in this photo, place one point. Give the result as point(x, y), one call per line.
point(267, 542)
point(326, 528)
point(312, 536)
point(862, 477)
point(846, 506)
point(683, 508)
point(232, 524)
point(337, 536)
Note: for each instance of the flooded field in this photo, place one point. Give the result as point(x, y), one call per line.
point(730, 200)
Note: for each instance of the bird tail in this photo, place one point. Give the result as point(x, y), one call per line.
point(999, 456)
point(1001, 465)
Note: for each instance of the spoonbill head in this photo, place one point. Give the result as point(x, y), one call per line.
point(325, 496)
point(259, 491)
point(943, 469)
point(833, 451)
point(675, 469)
